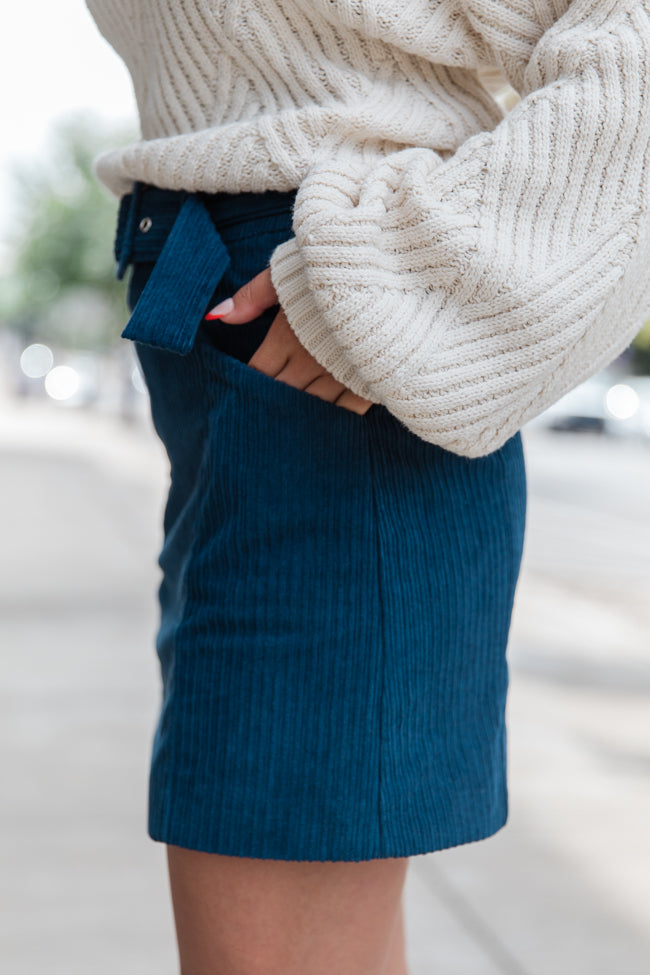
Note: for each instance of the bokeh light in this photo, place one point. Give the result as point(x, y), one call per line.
point(138, 380)
point(62, 382)
point(621, 401)
point(36, 360)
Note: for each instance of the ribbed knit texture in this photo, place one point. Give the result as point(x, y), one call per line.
point(335, 604)
point(462, 269)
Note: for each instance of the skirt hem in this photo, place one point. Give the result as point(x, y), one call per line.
point(392, 852)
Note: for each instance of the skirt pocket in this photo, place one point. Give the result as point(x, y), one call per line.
point(220, 368)
point(221, 352)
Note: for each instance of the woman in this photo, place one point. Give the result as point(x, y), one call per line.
point(352, 282)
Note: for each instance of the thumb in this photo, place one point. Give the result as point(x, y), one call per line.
point(251, 300)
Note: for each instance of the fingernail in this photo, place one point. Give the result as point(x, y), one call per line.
point(223, 308)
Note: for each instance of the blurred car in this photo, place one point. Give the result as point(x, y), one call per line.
point(606, 403)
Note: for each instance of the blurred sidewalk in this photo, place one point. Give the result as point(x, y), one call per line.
point(564, 889)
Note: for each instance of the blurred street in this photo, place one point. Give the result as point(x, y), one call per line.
point(564, 889)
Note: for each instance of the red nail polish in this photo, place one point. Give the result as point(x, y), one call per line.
point(211, 318)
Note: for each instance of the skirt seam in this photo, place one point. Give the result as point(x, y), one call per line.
point(382, 636)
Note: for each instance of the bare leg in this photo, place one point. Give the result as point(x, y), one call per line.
point(396, 964)
point(241, 916)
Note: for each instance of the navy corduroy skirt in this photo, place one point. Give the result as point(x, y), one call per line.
point(335, 601)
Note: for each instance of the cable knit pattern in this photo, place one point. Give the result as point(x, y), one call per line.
point(463, 268)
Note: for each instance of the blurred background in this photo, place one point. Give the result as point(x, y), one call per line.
point(564, 888)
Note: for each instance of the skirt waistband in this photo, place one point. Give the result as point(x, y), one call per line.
point(146, 216)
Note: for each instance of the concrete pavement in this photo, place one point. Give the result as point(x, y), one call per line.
point(564, 889)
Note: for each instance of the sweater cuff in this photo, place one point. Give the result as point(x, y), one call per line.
point(298, 301)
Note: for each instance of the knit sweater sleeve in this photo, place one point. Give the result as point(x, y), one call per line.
point(467, 294)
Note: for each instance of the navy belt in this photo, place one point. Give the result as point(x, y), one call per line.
point(177, 230)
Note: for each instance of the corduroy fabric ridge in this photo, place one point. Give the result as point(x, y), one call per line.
point(335, 603)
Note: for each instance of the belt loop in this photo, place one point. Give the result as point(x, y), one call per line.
point(129, 231)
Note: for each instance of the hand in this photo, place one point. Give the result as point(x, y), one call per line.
point(281, 354)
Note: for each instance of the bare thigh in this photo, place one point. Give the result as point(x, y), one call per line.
point(240, 916)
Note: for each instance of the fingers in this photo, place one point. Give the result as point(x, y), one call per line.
point(326, 387)
point(350, 401)
point(256, 296)
point(282, 357)
point(280, 345)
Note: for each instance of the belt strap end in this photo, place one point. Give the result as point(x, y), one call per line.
point(176, 296)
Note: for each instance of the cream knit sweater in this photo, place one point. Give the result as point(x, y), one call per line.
point(462, 267)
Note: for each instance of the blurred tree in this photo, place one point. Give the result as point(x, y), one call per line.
point(641, 350)
point(61, 287)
